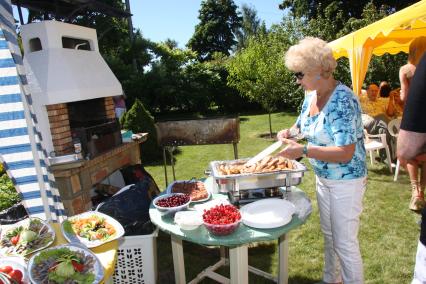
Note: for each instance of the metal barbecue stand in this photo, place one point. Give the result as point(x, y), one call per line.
point(204, 131)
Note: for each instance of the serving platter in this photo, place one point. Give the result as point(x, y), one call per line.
point(169, 189)
point(91, 236)
point(15, 240)
point(43, 263)
point(267, 213)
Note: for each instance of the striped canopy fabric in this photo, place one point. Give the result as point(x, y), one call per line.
point(21, 151)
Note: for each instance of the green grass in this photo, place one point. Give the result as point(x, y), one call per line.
point(388, 234)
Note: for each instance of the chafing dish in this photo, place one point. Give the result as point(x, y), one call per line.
point(247, 181)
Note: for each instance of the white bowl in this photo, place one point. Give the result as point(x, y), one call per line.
point(170, 210)
point(188, 220)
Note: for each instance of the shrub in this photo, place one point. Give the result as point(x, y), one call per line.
point(8, 194)
point(138, 119)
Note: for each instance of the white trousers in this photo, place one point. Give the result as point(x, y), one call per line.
point(420, 267)
point(340, 206)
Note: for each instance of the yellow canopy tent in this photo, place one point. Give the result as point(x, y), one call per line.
point(392, 34)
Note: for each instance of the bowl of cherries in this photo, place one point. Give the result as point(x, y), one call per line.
point(222, 220)
point(171, 203)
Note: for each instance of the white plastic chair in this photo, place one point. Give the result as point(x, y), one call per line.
point(375, 142)
point(393, 128)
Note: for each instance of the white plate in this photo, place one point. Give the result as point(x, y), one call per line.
point(74, 238)
point(267, 213)
point(96, 267)
point(16, 262)
point(169, 190)
point(6, 248)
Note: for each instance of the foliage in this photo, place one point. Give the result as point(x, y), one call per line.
point(259, 73)
point(251, 26)
point(350, 9)
point(219, 20)
point(8, 194)
point(138, 120)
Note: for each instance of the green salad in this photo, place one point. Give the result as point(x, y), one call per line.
point(63, 265)
point(26, 237)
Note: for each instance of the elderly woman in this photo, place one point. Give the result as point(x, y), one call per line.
point(331, 122)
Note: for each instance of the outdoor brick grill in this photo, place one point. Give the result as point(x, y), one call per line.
point(72, 89)
point(60, 128)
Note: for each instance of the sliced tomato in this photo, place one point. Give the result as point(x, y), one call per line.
point(14, 240)
point(16, 275)
point(6, 269)
point(77, 266)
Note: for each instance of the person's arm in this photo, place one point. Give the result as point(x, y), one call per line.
point(405, 72)
point(333, 154)
point(342, 124)
point(390, 110)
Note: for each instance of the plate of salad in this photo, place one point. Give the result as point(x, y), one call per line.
point(92, 229)
point(25, 237)
point(65, 264)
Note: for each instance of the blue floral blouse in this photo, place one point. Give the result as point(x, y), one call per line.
point(337, 124)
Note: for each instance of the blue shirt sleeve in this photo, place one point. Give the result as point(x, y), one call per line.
point(342, 117)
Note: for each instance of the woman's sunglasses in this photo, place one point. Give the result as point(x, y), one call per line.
point(299, 75)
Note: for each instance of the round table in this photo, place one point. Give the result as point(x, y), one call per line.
point(237, 241)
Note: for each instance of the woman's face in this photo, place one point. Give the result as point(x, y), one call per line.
point(308, 81)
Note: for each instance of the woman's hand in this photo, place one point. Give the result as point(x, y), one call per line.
point(287, 133)
point(292, 151)
point(283, 134)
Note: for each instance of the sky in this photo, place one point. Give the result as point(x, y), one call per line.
point(172, 19)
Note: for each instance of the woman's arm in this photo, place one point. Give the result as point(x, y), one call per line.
point(333, 154)
point(390, 110)
point(405, 72)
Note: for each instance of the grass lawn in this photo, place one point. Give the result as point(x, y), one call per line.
point(388, 234)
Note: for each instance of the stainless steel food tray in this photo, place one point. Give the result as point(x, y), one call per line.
point(236, 182)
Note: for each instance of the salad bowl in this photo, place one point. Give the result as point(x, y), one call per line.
point(91, 229)
point(26, 237)
point(65, 264)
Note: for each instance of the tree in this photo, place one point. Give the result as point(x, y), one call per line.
point(251, 26)
point(350, 9)
point(138, 120)
point(259, 73)
point(219, 21)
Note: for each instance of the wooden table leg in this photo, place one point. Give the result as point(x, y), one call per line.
point(178, 261)
point(283, 259)
point(238, 259)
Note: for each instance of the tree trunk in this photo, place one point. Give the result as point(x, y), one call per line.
point(270, 124)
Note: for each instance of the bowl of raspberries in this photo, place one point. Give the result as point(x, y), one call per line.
point(222, 220)
point(171, 203)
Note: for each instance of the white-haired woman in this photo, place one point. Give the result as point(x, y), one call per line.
point(331, 122)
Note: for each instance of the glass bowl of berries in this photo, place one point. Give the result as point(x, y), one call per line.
point(171, 203)
point(222, 220)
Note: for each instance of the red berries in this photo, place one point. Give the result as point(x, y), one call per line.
point(222, 219)
point(173, 200)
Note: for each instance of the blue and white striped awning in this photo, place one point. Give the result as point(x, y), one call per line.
point(20, 149)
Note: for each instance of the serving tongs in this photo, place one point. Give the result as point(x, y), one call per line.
point(272, 148)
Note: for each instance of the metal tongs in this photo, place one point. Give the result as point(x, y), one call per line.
point(294, 134)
